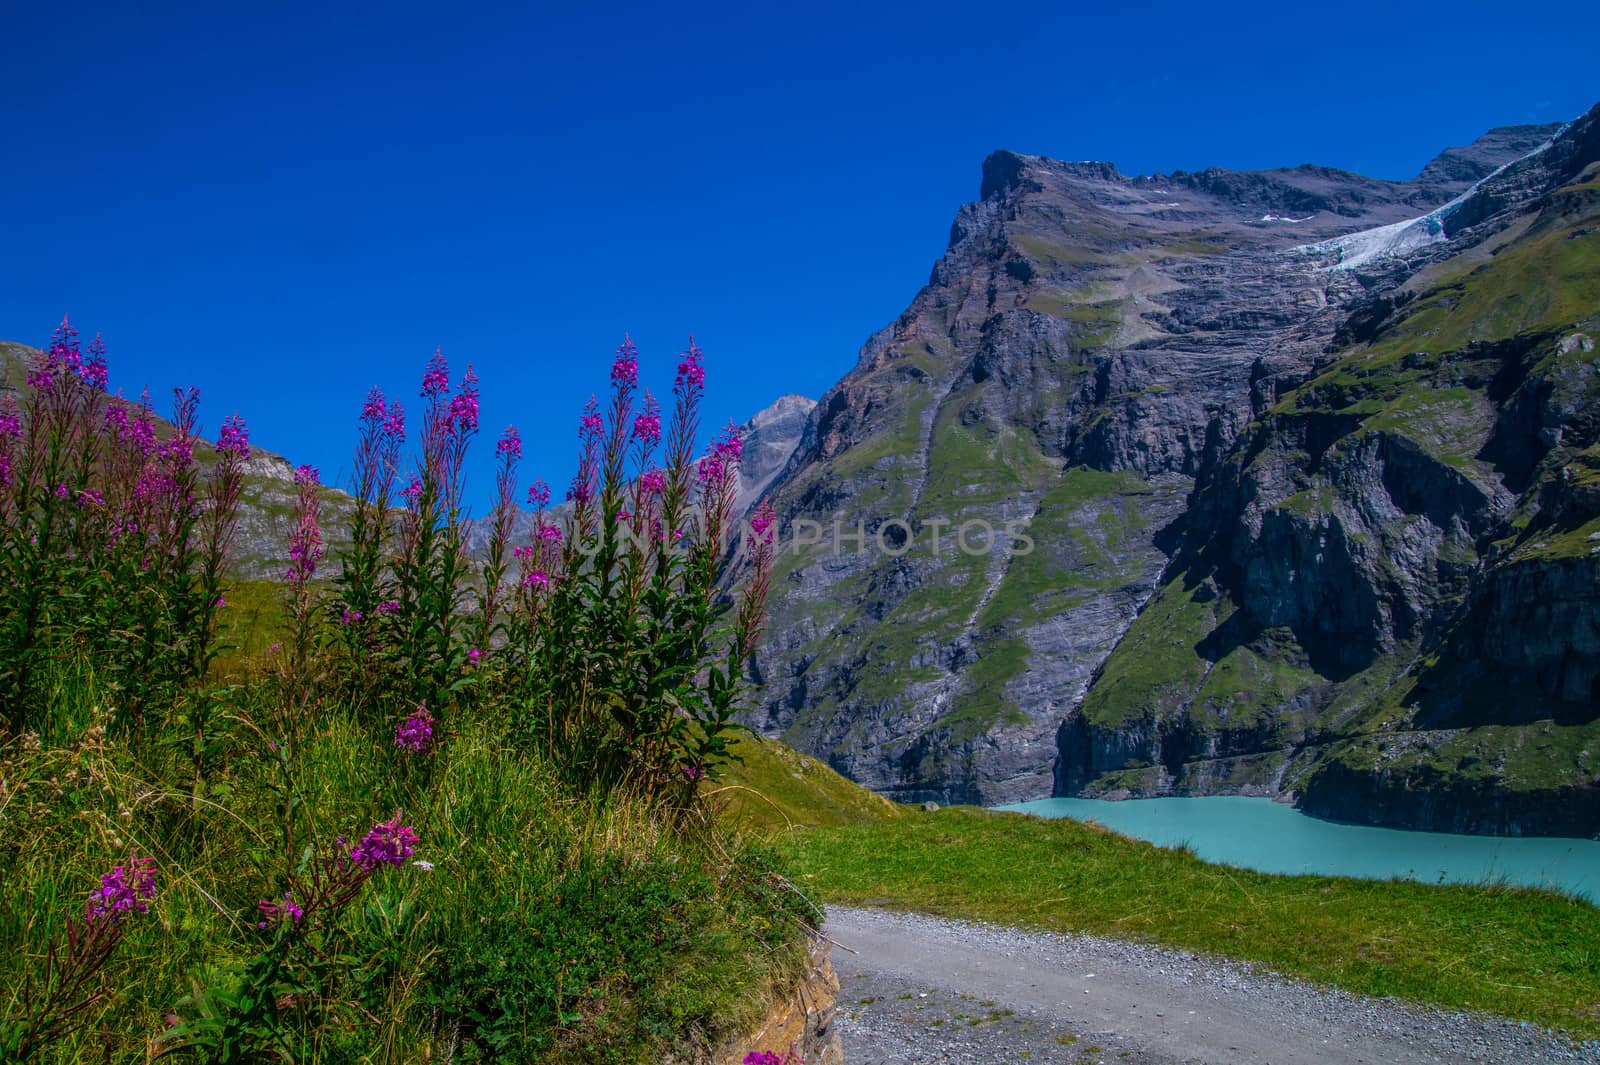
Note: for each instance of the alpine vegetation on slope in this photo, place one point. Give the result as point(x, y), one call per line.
point(406, 829)
point(1089, 357)
point(112, 538)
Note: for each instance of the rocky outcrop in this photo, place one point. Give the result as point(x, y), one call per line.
point(799, 1027)
point(1270, 439)
point(769, 439)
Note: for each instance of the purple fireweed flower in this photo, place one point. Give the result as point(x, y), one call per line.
point(307, 475)
point(523, 551)
point(349, 617)
point(710, 469)
point(126, 889)
point(89, 497)
point(761, 523)
point(376, 408)
point(464, 406)
point(473, 654)
point(116, 419)
point(693, 772)
point(386, 843)
point(93, 371)
point(412, 492)
point(647, 423)
point(143, 433)
point(62, 491)
point(178, 450)
point(389, 606)
point(550, 534)
point(64, 345)
point(415, 733)
point(625, 370)
point(394, 423)
point(510, 444)
point(538, 495)
point(274, 912)
point(234, 438)
point(536, 579)
point(624, 515)
point(11, 426)
point(221, 602)
point(5, 471)
point(691, 370)
point(729, 446)
point(652, 482)
point(436, 378)
point(579, 492)
point(591, 424)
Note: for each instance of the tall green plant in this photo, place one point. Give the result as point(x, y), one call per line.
point(629, 663)
point(112, 543)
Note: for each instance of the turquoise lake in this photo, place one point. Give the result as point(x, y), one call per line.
point(1276, 838)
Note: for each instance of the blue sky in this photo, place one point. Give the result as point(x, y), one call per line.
point(284, 206)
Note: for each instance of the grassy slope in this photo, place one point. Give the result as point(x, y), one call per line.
point(774, 787)
point(1525, 954)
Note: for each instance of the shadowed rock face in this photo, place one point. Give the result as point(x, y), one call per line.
point(1164, 381)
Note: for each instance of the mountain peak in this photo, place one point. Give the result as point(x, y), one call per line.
point(1483, 156)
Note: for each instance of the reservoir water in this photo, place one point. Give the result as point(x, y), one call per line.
point(1273, 837)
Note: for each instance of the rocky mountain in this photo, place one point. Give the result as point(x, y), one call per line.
point(769, 440)
point(1307, 464)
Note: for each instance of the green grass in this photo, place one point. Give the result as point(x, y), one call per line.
point(554, 926)
point(773, 786)
point(1525, 954)
point(1545, 282)
point(1246, 686)
point(1156, 665)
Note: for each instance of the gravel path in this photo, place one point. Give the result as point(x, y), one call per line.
point(917, 989)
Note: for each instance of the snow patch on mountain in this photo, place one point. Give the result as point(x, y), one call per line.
point(1398, 238)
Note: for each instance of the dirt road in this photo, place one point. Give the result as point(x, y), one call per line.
point(921, 990)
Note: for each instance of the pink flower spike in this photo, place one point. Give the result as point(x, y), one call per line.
point(591, 425)
point(436, 378)
point(647, 423)
point(625, 370)
point(415, 733)
point(386, 843)
point(510, 444)
point(234, 439)
point(691, 371)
